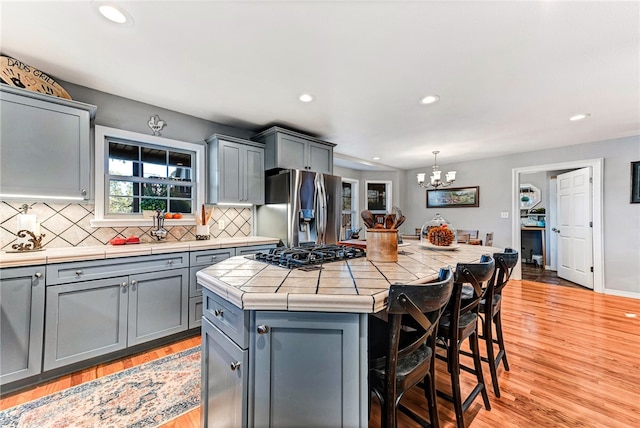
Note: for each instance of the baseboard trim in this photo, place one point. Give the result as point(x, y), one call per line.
point(621, 293)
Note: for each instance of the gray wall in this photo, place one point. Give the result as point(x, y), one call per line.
point(493, 175)
point(123, 113)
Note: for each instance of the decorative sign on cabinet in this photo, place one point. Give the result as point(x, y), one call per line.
point(44, 146)
point(291, 150)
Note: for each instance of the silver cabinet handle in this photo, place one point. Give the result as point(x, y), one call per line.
point(170, 262)
point(37, 275)
point(124, 284)
point(235, 365)
point(134, 282)
point(263, 329)
point(83, 191)
point(214, 257)
point(78, 272)
point(218, 312)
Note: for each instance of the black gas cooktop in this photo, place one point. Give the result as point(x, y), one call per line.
point(308, 255)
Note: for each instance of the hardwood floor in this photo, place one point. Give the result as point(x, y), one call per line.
point(538, 274)
point(573, 354)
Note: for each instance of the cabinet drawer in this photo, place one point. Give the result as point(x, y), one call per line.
point(232, 320)
point(209, 257)
point(201, 260)
point(243, 251)
point(64, 273)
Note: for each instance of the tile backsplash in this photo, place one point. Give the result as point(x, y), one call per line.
point(67, 225)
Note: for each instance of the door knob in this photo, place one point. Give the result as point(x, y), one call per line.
point(555, 230)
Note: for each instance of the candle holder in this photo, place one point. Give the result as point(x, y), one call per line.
point(34, 243)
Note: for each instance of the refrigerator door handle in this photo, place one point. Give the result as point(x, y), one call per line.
point(321, 209)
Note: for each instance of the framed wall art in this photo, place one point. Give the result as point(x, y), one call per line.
point(635, 182)
point(459, 197)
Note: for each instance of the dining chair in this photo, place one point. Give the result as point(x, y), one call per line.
point(490, 313)
point(463, 238)
point(405, 346)
point(473, 234)
point(489, 239)
point(459, 323)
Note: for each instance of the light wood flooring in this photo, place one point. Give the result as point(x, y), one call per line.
point(574, 357)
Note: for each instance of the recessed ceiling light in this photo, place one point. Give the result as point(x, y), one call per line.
point(376, 158)
point(306, 98)
point(113, 13)
point(429, 99)
point(579, 117)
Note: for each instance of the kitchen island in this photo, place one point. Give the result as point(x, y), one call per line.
point(288, 347)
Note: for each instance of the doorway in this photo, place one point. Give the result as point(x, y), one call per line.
point(597, 210)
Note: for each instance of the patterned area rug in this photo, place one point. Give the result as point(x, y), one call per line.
point(142, 396)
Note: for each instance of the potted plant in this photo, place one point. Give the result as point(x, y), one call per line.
point(149, 206)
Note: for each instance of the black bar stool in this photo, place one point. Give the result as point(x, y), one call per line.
point(405, 347)
point(460, 322)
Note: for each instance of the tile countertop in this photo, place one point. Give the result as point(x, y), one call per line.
point(71, 254)
point(356, 285)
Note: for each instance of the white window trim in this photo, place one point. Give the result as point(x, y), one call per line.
point(101, 134)
point(355, 184)
point(388, 186)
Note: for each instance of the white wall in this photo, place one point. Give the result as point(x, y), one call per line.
point(493, 175)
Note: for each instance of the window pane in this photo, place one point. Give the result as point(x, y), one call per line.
point(120, 205)
point(154, 171)
point(122, 167)
point(151, 155)
point(153, 204)
point(180, 159)
point(123, 151)
point(179, 173)
point(154, 189)
point(120, 188)
point(180, 191)
point(180, 206)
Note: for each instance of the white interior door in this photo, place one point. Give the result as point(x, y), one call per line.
point(575, 233)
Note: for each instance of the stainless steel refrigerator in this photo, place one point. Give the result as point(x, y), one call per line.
point(301, 207)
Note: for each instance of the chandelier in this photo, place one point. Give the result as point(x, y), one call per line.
point(436, 181)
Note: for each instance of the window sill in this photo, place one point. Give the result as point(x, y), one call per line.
point(143, 222)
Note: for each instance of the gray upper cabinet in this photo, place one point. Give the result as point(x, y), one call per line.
point(289, 149)
point(22, 325)
point(236, 170)
point(44, 146)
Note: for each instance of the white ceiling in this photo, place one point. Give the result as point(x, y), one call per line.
point(509, 74)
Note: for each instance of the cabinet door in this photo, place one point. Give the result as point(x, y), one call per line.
point(51, 141)
point(231, 172)
point(306, 369)
point(224, 381)
point(291, 152)
point(158, 305)
point(85, 320)
point(320, 158)
point(22, 325)
point(254, 175)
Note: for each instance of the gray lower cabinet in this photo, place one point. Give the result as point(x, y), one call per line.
point(22, 324)
point(225, 381)
point(305, 368)
point(86, 319)
point(199, 260)
point(50, 138)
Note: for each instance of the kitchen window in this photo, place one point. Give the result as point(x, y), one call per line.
point(349, 207)
point(137, 172)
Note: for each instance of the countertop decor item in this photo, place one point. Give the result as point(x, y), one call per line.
point(382, 245)
point(30, 238)
point(436, 181)
point(438, 232)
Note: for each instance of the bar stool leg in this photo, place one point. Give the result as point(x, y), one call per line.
point(502, 352)
point(477, 363)
point(487, 332)
point(454, 357)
